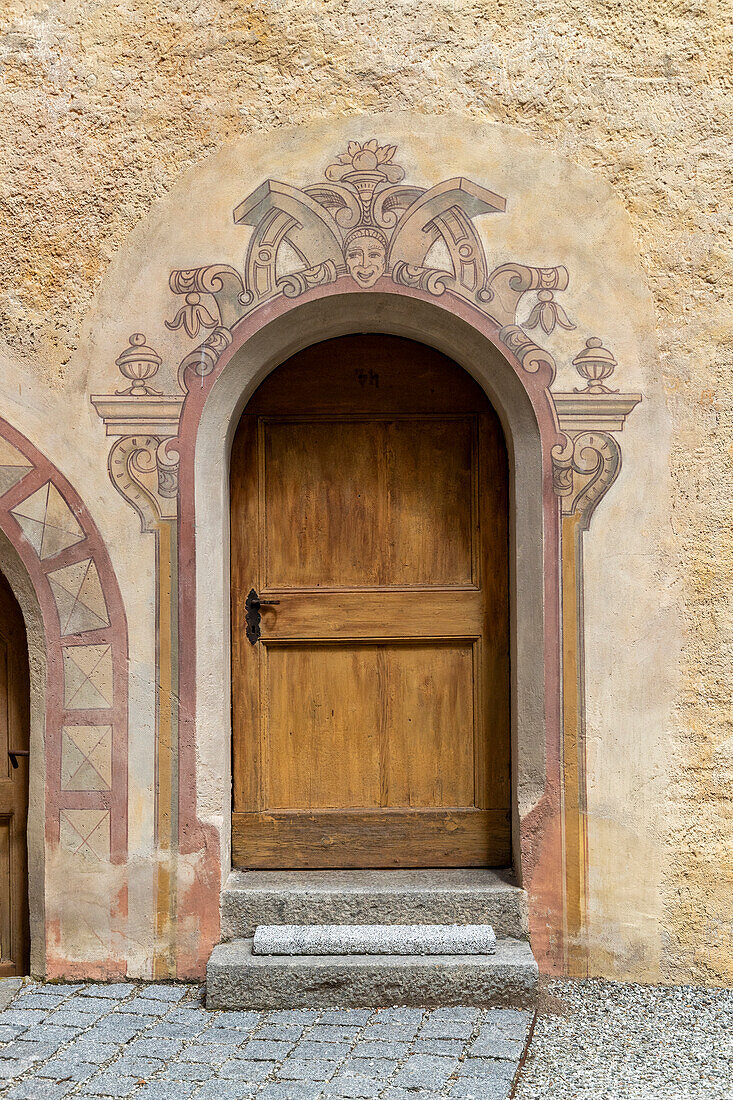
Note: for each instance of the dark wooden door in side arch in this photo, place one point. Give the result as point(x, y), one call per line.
point(14, 735)
point(371, 719)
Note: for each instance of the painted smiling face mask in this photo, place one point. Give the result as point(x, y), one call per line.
point(366, 256)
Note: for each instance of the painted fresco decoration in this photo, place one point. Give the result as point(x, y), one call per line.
point(361, 227)
point(364, 222)
point(85, 722)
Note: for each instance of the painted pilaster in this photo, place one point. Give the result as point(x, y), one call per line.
point(143, 467)
point(584, 468)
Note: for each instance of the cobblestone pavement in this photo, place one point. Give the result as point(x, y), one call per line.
point(607, 1041)
point(157, 1042)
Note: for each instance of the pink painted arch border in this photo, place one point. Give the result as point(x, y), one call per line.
point(111, 802)
point(540, 831)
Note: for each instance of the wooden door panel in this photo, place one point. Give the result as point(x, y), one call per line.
point(427, 701)
point(14, 734)
point(370, 726)
point(323, 742)
point(6, 944)
point(355, 503)
point(366, 375)
point(320, 490)
point(371, 838)
point(371, 720)
point(318, 615)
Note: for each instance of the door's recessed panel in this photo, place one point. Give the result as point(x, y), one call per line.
point(429, 725)
point(369, 726)
point(321, 742)
point(360, 503)
point(6, 947)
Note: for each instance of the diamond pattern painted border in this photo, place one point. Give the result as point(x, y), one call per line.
point(79, 597)
point(88, 677)
point(13, 466)
point(86, 833)
point(86, 758)
point(47, 521)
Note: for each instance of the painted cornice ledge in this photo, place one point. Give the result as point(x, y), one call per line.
point(156, 415)
point(594, 412)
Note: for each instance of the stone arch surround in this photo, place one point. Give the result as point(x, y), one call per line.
point(54, 558)
point(210, 416)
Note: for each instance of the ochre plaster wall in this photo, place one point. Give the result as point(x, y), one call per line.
point(105, 109)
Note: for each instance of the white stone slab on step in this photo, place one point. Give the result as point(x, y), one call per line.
point(374, 939)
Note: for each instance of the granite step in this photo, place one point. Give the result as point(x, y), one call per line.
point(475, 896)
point(238, 979)
point(374, 939)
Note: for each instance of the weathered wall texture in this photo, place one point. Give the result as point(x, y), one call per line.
point(104, 109)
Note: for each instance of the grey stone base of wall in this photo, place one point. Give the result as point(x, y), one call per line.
point(238, 979)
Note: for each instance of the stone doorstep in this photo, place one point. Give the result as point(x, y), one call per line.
point(238, 979)
point(472, 896)
point(374, 939)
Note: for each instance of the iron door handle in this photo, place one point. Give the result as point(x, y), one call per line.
point(15, 753)
point(252, 618)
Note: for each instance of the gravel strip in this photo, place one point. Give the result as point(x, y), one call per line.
point(608, 1041)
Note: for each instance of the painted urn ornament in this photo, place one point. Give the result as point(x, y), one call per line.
point(138, 363)
point(595, 363)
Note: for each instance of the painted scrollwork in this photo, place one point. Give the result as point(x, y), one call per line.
point(362, 221)
point(222, 282)
point(299, 281)
point(423, 278)
point(584, 468)
point(532, 357)
point(167, 460)
point(508, 283)
point(139, 467)
point(340, 201)
point(388, 205)
point(202, 360)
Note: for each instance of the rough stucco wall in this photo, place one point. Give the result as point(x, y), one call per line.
point(104, 108)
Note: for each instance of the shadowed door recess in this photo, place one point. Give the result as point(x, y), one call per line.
point(371, 718)
point(14, 736)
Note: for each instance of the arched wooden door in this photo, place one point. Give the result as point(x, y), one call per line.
point(371, 716)
point(14, 737)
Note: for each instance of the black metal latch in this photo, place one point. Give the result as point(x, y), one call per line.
point(252, 606)
point(15, 753)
